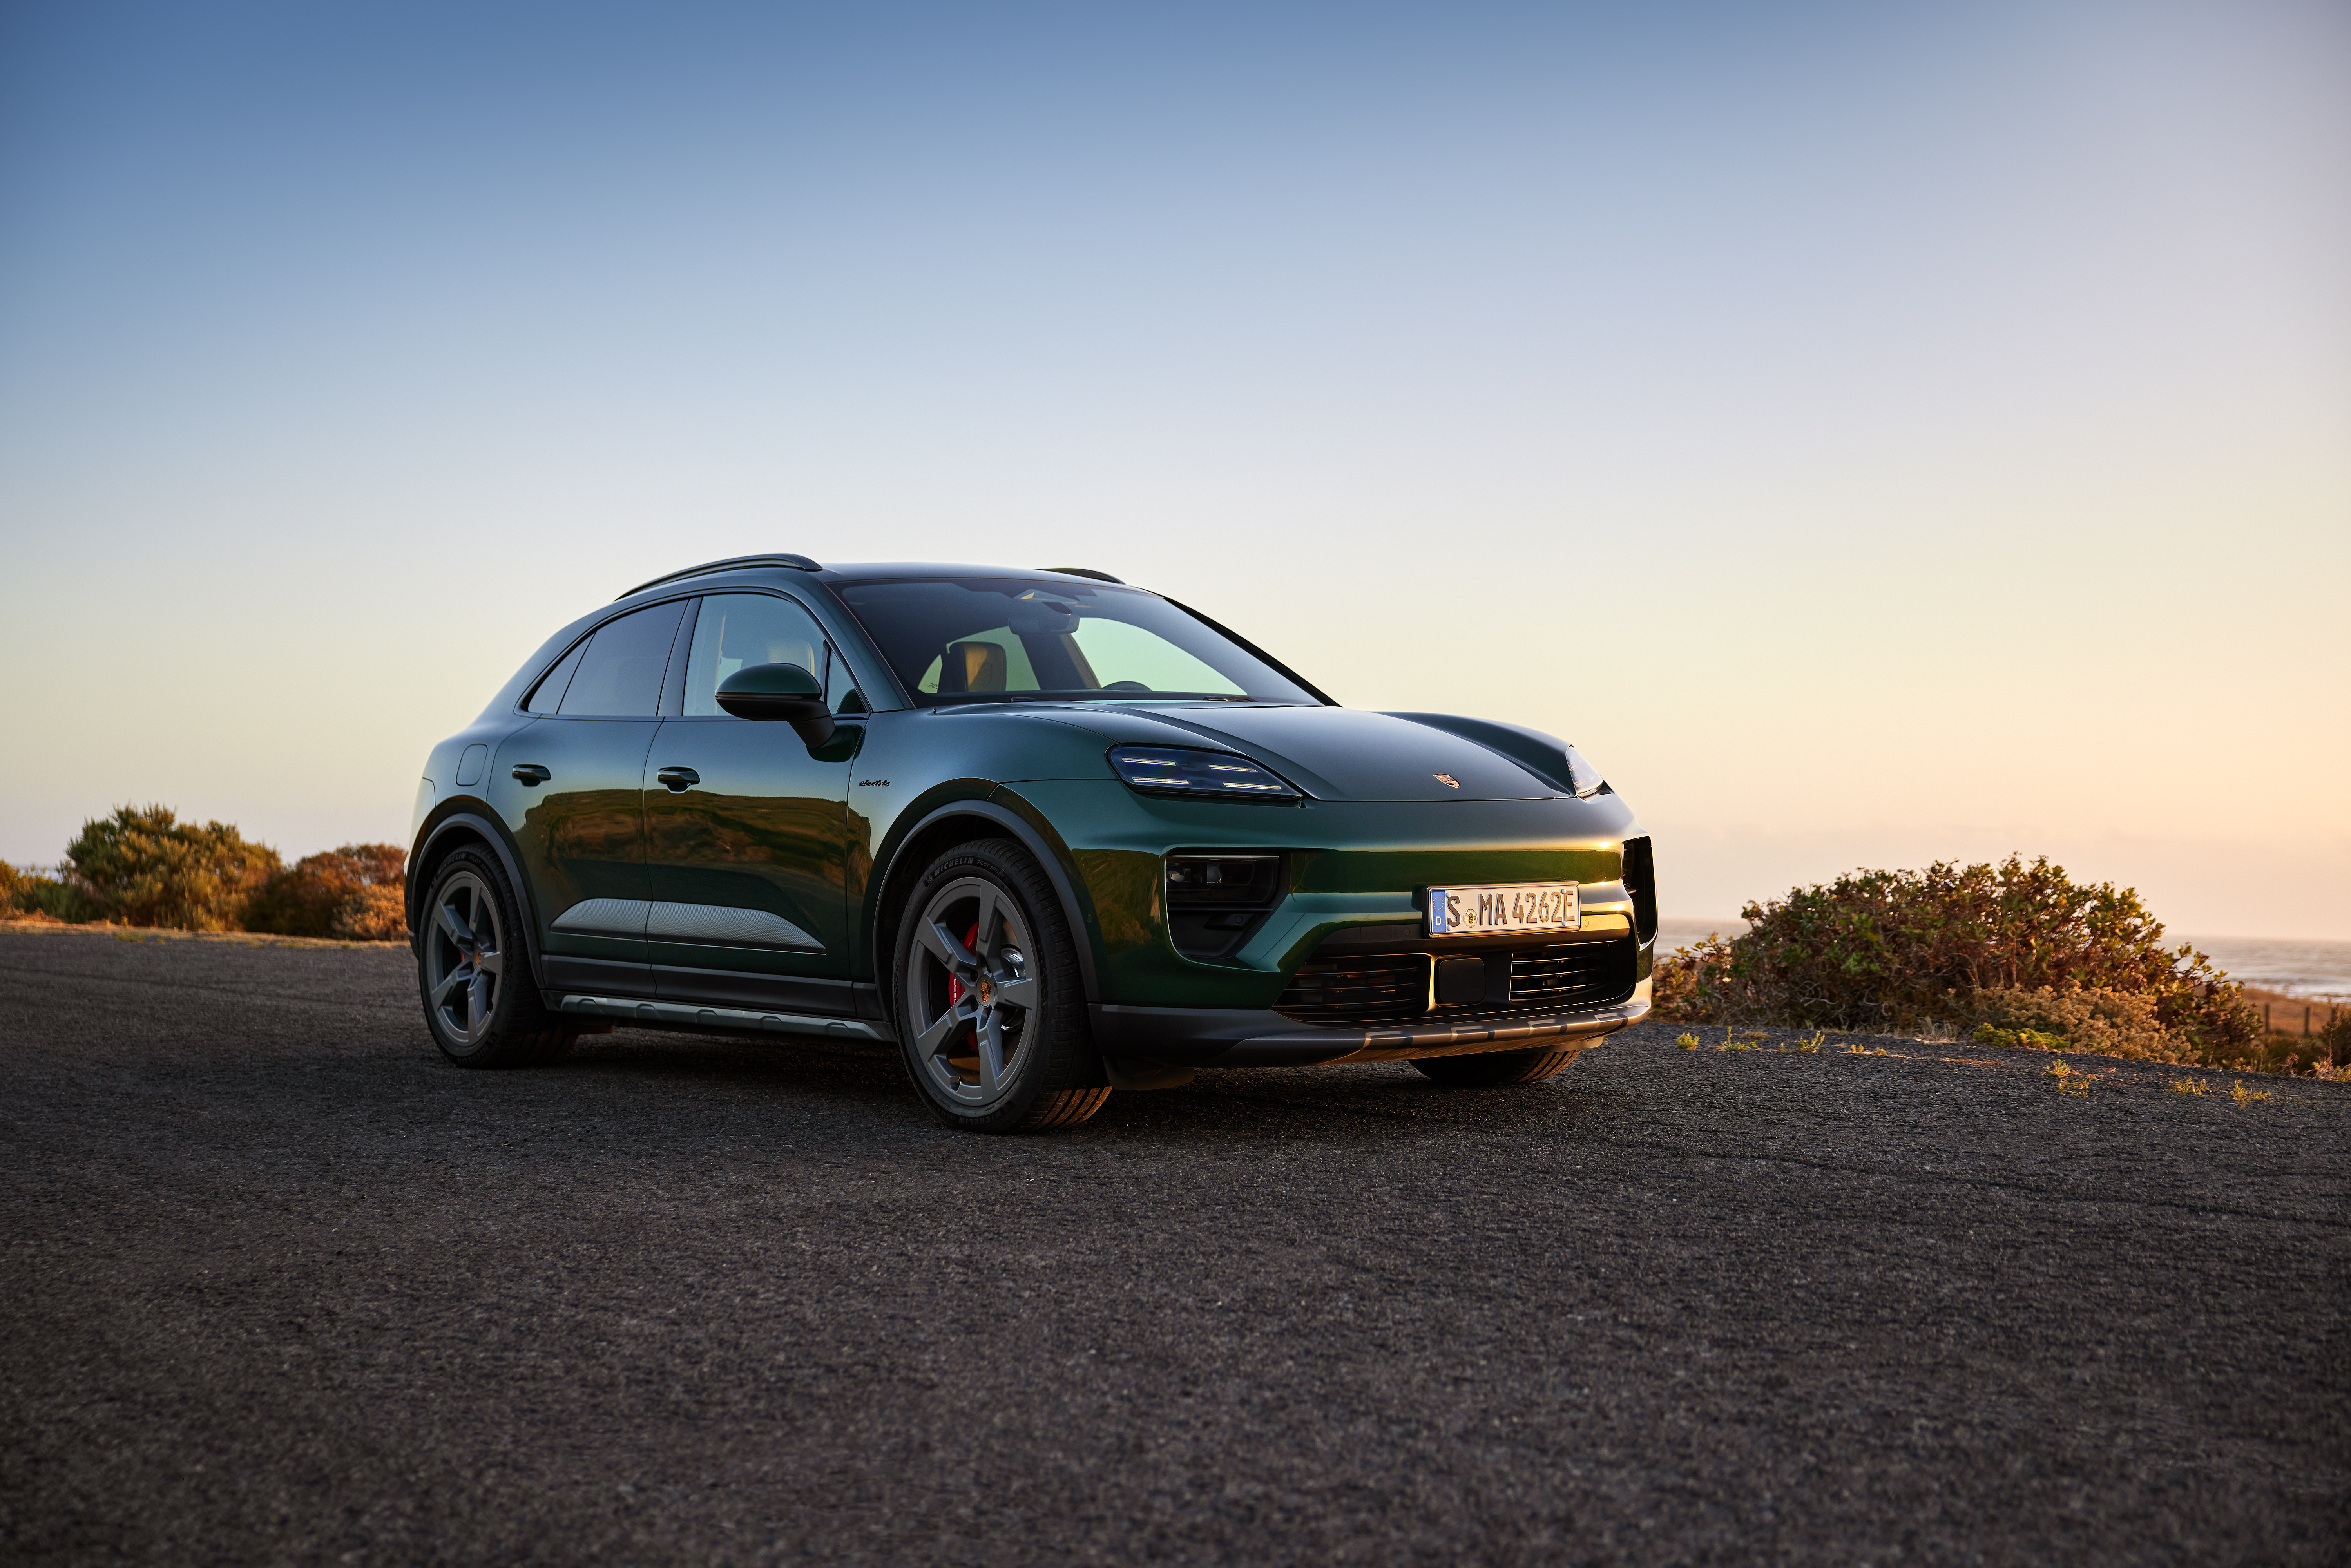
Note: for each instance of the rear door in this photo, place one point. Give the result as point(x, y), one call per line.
point(570, 787)
point(746, 828)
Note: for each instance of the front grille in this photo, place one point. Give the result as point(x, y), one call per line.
point(1393, 987)
point(1374, 988)
point(1577, 973)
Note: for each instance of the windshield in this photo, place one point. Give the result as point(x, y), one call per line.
point(978, 639)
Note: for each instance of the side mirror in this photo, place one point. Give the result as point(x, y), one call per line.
point(778, 692)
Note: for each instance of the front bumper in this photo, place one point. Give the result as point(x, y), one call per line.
point(1234, 1037)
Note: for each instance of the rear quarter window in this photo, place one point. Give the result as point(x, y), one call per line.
point(548, 695)
point(621, 667)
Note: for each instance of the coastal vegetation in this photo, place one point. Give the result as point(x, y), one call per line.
point(2016, 955)
point(143, 866)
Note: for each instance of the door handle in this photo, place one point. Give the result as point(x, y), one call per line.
point(530, 775)
point(679, 779)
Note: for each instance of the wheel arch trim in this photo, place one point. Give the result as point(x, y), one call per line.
point(453, 822)
point(1045, 846)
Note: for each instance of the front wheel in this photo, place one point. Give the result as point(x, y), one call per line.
point(991, 1019)
point(1495, 1067)
point(479, 1001)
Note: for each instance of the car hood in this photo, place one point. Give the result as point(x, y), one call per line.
point(1334, 753)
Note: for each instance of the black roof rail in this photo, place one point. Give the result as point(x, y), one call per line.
point(1084, 571)
point(797, 562)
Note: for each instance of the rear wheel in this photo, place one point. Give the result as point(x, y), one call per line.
point(479, 1001)
point(991, 1019)
point(1494, 1068)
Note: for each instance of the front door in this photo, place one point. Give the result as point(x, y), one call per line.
point(746, 828)
point(570, 787)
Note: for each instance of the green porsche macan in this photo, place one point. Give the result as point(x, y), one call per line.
point(1052, 835)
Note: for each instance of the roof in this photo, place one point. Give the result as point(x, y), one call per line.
point(866, 571)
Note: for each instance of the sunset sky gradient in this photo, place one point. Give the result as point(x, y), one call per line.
point(1870, 434)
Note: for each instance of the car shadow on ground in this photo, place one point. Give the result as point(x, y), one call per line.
point(1378, 1098)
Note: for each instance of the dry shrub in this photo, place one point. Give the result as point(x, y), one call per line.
point(16, 891)
point(146, 867)
point(374, 915)
point(2325, 1052)
point(1958, 945)
point(149, 868)
point(356, 891)
point(2335, 1039)
point(45, 893)
point(2101, 1022)
point(1695, 983)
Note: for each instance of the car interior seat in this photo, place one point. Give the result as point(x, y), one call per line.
point(971, 667)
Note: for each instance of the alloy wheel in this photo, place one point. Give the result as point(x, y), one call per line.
point(974, 991)
point(465, 957)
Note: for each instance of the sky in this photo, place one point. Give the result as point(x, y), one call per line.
point(1871, 434)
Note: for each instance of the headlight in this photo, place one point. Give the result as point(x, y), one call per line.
point(1178, 770)
point(1582, 777)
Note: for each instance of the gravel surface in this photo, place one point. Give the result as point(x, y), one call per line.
point(282, 1286)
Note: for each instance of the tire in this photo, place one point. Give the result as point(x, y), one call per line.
point(991, 1017)
point(1487, 1071)
point(473, 971)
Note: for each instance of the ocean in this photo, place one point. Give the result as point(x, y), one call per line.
point(2313, 969)
point(2318, 971)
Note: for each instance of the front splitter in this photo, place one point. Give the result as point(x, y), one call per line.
point(1217, 1037)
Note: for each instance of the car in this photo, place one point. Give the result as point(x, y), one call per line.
point(1048, 834)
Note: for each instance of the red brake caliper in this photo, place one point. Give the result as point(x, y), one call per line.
point(956, 987)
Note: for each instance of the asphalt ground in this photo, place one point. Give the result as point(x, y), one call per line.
point(282, 1286)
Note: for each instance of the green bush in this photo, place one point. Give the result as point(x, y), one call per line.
point(352, 892)
point(149, 868)
point(1955, 946)
point(45, 895)
point(2023, 1038)
point(29, 890)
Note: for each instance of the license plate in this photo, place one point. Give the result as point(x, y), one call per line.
point(1514, 906)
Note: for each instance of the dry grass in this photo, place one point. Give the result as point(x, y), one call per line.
point(122, 933)
point(2288, 1015)
point(2067, 1079)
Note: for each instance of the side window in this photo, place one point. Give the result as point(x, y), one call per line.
point(841, 693)
point(548, 695)
point(620, 675)
point(739, 629)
